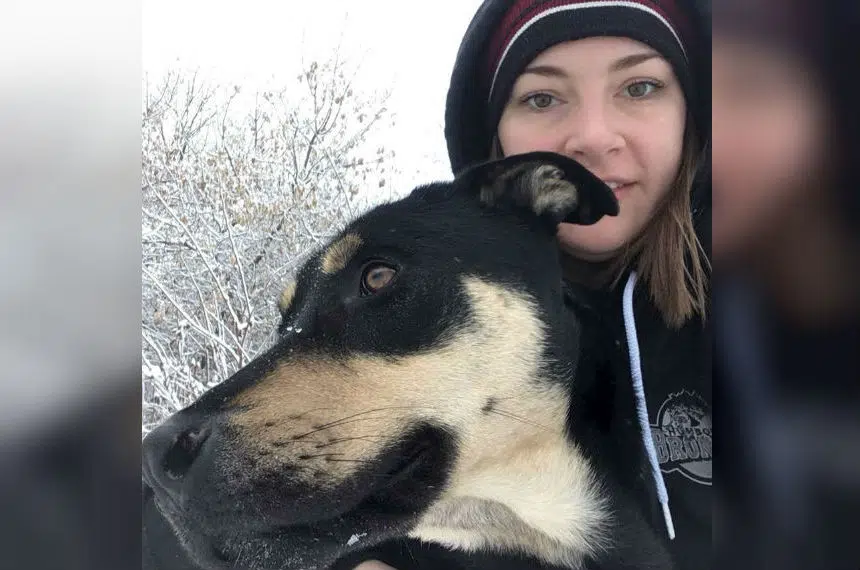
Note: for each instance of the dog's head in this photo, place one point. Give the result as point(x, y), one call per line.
point(419, 386)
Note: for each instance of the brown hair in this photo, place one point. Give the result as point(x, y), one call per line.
point(667, 253)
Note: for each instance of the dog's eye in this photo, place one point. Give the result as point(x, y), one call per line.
point(376, 277)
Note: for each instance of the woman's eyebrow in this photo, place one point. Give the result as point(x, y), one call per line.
point(621, 64)
point(545, 71)
point(633, 60)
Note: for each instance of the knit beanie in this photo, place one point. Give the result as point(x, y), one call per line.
point(505, 36)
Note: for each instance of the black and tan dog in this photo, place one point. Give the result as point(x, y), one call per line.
point(426, 383)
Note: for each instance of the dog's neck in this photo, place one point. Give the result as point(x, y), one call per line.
point(518, 483)
point(540, 499)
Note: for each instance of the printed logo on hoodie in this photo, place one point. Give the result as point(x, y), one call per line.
point(683, 436)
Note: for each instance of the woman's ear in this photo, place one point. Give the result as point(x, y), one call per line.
point(550, 186)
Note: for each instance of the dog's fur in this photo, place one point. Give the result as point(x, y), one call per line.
point(445, 406)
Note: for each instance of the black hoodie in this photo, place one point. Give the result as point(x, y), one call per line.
point(675, 365)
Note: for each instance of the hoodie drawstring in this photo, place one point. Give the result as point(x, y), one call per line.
point(641, 405)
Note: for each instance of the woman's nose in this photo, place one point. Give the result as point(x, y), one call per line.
point(590, 134)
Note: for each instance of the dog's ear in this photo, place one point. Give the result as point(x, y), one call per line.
point(544, 184)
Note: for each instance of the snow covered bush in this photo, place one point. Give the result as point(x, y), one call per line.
point(237, 190)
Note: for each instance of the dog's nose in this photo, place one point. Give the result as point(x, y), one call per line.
point(170, 450)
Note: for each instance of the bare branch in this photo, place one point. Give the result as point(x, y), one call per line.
point(189, 319)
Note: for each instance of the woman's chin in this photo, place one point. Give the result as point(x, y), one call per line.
point(590, 243)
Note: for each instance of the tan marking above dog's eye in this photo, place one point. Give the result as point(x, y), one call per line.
point(286, 299)
point(376, 277)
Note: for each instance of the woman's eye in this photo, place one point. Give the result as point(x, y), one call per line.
point(540, 100)
point(641, 89)
point(376, 277)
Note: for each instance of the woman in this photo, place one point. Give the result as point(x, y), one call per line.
point(622, 87)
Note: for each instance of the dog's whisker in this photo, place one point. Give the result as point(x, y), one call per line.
point(518, 418)
point(285, 442)
point(303, 414)
point(342, 421)
point(370, 438)
point(330, 426)
point(305, 457)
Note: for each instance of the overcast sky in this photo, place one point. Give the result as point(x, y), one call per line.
point(408, 46)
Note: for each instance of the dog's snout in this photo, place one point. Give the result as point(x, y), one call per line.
point(170, 451)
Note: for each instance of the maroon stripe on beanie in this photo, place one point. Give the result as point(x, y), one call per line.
point(517, 15)
point(523, 11)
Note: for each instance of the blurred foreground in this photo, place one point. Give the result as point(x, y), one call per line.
point(70, 101)
point(786, 284)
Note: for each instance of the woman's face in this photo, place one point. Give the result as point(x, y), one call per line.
point(614, 105)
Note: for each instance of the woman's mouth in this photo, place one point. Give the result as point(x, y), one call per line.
point(618, 186)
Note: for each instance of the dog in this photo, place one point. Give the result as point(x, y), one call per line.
point(428, 384)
